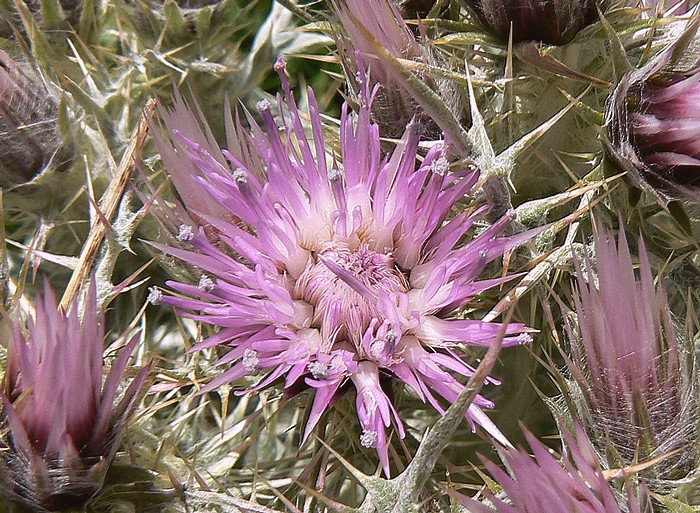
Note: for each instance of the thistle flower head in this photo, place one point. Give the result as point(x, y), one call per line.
point(653, 121)
point(630, 368)
point(368, 23)
point(61, 426)
point(549, 21)
point(326, 275)
point(541, 484)
point(29, 134)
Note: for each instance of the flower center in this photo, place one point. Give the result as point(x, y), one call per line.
point(345, 299)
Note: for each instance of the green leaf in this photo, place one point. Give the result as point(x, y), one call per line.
point(204, 20)
point(634, 194)
point(52, 14)
point(674, 505)
point(42, 49)
point(88, 21)
point(478, 136)
point(84, 100)
point(465, 38)
point(679, 215)
point(64, 117)
point(175, 22)
point(621, 63)
point(680, 46)
point(505, 161)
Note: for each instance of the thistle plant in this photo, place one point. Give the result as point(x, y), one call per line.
point(328, 276)
point(339, 269)
point(62, 424)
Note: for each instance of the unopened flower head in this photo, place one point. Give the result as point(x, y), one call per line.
point(548, 21)
point(62, 427)
point(653, 121)
point(636, 386)
point(29, 134)
point(414, 9)
point(329, 277)
point(541, 484)
point(368, 23)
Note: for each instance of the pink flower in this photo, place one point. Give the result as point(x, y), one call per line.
point(327, 275)
point(64, 428)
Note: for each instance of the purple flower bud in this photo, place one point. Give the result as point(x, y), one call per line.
point(550, 21)
point(368, 22)
point(61, 427)
point(635, 383)
point(29, 134)
point(654, 126)
point(541, 484)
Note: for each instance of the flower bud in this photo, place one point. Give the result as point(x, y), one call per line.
point(541, 484)
point(654, 129)
point(550, 21)
point(60, 430)
point(634, 377)
point(29, 134)
point(371, 22)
